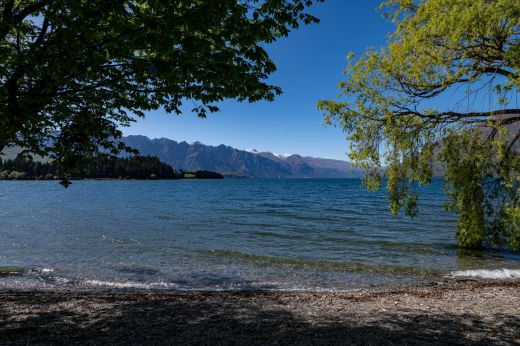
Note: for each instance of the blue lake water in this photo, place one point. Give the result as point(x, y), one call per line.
point(225, 234)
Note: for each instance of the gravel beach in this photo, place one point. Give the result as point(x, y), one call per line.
point(466, 312)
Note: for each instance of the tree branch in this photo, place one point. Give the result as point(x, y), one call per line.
point(35, 7)
point(11, 20)
point(8, 10)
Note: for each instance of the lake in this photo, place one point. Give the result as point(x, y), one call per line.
point(236, 234)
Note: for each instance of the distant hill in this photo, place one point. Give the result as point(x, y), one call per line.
point(240, 163)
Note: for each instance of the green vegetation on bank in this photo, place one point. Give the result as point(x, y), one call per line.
point(462, 50)
point(135, 167)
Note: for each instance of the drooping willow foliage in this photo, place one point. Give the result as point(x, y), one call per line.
point(442, 96)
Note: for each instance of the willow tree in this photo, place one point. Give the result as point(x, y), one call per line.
point(72, 72)
point(442, 92)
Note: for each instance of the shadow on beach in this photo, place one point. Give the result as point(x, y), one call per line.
point(236, 318)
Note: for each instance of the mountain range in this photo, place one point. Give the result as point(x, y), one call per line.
point(234, 162)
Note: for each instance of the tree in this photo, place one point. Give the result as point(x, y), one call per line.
point(398, 112)
point(73, 71)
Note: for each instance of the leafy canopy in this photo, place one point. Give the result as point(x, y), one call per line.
point(73, 71)
point(442, 93)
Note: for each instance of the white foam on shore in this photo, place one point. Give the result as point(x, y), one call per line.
point(40, 270)
point(176, 287)
point(129, 284)
point(44, 270)
point(488, 274)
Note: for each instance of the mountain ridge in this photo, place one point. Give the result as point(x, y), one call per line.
point(239, 163)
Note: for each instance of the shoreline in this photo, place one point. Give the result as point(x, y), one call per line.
point(450, 311)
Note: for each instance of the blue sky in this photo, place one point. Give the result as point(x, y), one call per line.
point(310, 64)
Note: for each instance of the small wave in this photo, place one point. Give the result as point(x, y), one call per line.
point(42, 270)
point(130, 284)
point(358, 267)
point(137, 270)
point(488, 274)
point(263, 286)
point(165, 217)
point(114, 240)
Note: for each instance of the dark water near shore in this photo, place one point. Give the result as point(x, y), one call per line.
point(228, 234)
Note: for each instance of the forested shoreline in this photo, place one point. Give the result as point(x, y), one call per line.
point(135, 167)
